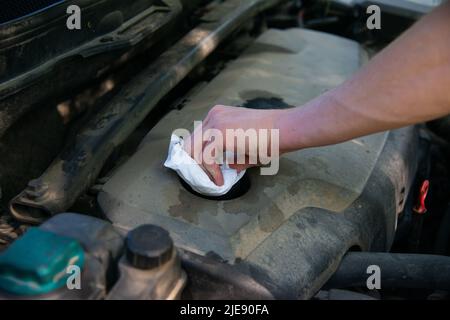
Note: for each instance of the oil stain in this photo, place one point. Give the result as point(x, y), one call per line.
point(259, 99)
point(190, 206)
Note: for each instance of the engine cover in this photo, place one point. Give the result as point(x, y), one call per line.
point(289, 231)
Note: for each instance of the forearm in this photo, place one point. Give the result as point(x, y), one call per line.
point(406, 83)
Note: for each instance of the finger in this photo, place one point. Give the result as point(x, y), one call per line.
point(211, 163)
point(214, 173)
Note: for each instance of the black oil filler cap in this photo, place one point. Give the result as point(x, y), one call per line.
point(148, 247)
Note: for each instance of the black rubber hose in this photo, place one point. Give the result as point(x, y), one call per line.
point(397, 270)
point(442, 241)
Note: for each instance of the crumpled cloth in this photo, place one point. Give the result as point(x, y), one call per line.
point(191, 172)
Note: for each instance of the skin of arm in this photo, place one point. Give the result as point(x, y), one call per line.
point(406, 83)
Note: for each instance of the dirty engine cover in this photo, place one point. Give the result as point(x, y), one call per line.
point(289, 231)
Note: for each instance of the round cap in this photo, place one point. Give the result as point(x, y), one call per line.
point(148, 247)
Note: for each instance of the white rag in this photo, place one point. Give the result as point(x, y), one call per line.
point(190, 171)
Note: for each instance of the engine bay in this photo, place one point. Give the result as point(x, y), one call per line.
point(85, 129)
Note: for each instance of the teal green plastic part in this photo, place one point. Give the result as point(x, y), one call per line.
point(37, 263)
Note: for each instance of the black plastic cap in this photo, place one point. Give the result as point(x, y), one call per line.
point(148, 247)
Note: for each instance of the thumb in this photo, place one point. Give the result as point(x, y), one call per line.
point(210, 165)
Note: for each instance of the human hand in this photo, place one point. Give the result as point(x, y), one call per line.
point(228, 129)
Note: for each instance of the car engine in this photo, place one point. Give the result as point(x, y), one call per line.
point(85, 122)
